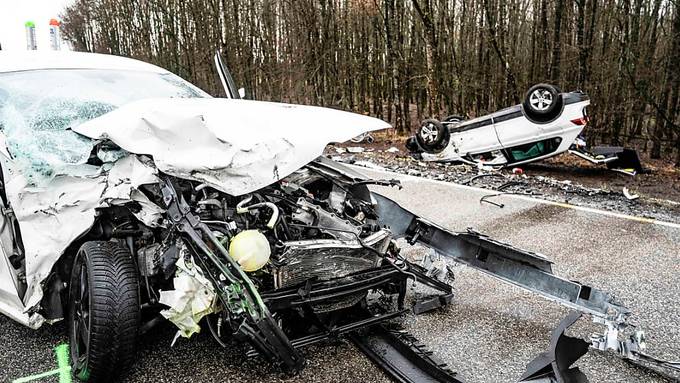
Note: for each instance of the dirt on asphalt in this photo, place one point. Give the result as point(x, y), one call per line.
point(564, 178)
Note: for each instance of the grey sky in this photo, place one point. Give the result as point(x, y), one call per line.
point(13, 15)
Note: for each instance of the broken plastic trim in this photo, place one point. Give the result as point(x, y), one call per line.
point(555, 364)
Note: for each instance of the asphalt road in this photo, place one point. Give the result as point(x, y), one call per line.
point(490, 332)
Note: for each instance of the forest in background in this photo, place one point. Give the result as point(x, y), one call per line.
point(404, 60)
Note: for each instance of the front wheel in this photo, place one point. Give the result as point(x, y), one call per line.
point(104, 311)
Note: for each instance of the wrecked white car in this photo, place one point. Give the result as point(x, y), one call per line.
point(130, 196)
point(546, 124)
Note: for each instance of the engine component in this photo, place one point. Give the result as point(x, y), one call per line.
point(235, 290)
point(250, 249)
point(157, 258)
point(329, 223)
point(148, 259)
point(325, 259)
point(242, 208)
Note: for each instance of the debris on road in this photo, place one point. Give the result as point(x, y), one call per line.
point(355, 149)
point(547, 187)
point(629, 195)
point(364, 137)
point(555, 364)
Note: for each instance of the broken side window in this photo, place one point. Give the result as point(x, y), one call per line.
point(534, 149)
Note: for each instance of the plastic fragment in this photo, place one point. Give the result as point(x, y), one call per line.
point(630, 195)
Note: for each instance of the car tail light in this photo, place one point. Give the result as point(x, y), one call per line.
point(580, 121)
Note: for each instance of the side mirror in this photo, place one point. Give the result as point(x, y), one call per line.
point(242, 92)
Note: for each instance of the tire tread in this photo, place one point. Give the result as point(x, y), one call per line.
point(114, 309)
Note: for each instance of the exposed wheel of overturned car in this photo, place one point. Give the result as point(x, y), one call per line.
point(543, 103)
point(432, 135)
point(103, 311)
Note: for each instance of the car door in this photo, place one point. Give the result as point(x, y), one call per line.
point(513, 129)
point(522, 139)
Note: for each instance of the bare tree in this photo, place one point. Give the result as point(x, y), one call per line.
point(405, 60)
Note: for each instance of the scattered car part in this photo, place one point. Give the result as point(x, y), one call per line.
point(616, 158)
point(630, 195)
point(355, 149)
point(524, 269)
point(483, 175)
point(401, 356)
point(363, 137)
point(485, 199)
point(555, 364)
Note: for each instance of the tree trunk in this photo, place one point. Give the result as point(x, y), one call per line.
point(425, 14)
point(557, 48)
point(580, 42)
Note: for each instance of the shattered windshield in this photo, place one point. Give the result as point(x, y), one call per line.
point(39, 108)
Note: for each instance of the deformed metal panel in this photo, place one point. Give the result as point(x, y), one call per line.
point(235, 146)
point(524, 269)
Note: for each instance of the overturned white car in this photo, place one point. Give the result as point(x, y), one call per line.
point(130, 196)
point(546, 124)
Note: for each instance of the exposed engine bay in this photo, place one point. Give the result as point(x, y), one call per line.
point(291, 260)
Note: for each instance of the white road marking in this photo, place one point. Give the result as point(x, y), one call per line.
point(525, 198)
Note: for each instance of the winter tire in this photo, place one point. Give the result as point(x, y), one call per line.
point(103, 311)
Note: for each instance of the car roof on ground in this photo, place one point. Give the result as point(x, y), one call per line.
point(37, 60)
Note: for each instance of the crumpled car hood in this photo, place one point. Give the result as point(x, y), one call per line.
point(236, 146)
